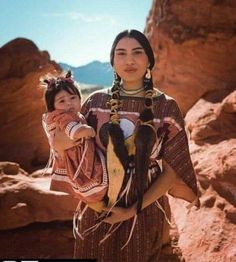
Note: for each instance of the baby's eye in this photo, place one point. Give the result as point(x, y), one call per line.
point(73, 97)
point(62, 101)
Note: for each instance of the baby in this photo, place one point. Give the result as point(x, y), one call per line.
point(78, 167)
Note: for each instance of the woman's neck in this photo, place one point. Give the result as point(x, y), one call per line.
point(132, 88)
point(132, 92)
point(135, 85)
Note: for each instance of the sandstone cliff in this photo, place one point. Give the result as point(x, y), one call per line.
point(22, 137)
point(195, 47)
point(209, 232)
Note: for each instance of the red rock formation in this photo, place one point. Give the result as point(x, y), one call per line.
point(26, 199)
point(52, 240)
point(209, 233)
point(212, 129)
point(212, 122)
point(22, 137)
point(195, 47)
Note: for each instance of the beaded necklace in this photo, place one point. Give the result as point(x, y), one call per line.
point(131, 92)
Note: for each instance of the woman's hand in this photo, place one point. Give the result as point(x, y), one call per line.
point(119, 214)
point(157, 189)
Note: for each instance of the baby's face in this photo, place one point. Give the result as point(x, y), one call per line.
point(65, 101)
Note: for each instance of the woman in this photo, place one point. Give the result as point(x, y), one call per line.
point(141, 131)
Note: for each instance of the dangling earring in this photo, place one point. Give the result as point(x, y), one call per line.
point(148, 73)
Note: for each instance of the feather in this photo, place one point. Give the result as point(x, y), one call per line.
point(144, 141)
point(117, 138)
point(116, 173)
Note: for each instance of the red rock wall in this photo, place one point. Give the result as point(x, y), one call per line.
point(211, 229)
point(22, 137)
point(195, 47)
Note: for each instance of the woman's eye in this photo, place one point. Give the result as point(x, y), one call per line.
point(138, 52)
point(120, 53)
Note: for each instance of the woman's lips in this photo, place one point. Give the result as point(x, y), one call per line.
point(130, 70)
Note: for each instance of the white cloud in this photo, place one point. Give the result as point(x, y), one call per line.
point(85, 18)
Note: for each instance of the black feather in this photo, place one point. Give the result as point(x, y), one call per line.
point(144, 141)
point(118, 140)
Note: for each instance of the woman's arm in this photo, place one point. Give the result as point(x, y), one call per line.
point(159, 187)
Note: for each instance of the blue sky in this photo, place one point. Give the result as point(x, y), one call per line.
point(72, 31)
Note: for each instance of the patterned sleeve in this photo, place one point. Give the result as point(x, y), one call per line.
point(68, 122)
point(175, 149)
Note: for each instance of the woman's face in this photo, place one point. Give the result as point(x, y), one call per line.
point(130, 62)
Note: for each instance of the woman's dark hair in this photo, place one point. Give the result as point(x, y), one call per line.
point(141, 38)
point(55, 85)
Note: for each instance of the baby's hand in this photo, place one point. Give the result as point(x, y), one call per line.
point(84, 131)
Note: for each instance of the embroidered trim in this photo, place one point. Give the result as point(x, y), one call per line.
point(73, 130)
point(60, 171)
point(69, 130)
point(89, 190)
point(103, 162)
point(155, 120)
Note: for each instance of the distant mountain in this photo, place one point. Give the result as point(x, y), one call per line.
point(94, 73)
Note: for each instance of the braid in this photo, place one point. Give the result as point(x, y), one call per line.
point(116, 82)
point(145, 139)
point(147, 114)
point(115, 131)
point(115, 100)
point(148, 87)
